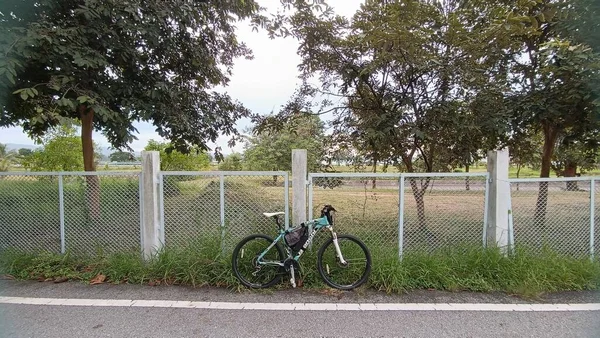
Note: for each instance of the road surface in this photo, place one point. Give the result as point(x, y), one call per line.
point(163, 320)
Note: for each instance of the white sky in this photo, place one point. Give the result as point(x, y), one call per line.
point(262, 84)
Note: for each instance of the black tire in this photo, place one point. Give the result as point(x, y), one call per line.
point(242, 262)
point(360, 272)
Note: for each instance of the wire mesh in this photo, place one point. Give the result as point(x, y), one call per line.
point(552, 215)
point(29, 212)
point(367, 207)
point(443, 211)
point(596, 228)
point(193, 213)
point(102, 212)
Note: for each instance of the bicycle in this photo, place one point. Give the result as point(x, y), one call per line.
point(263, 259)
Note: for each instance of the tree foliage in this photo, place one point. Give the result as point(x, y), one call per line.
point(121, 156)
point(110, 63)
point(272, 149)
point(61, 151)
point(6, 157)
point(232, 162)
point(173, 160)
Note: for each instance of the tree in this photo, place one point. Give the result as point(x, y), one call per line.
point(24, 152)
point(6, 158)
point(403, 75)
point(121, 156)
point(173, 160)
point(271, 150)
point(61, 151)
point(576, 150)
point(157, 61)
point(232, 162)
point(554, 79)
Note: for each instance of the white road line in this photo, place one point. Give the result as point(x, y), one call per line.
point(302, 306)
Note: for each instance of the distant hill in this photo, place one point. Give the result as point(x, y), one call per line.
point(17, 146)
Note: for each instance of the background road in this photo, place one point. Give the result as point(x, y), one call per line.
point(74, 321)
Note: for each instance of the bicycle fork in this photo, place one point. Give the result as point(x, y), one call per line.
point(336, 244)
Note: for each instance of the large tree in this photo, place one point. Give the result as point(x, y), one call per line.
point(109, 63)
point(401, 75)
point(270, 149)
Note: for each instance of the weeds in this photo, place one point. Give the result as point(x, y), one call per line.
point(203, 263)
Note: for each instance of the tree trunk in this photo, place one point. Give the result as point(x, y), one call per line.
point(93, 183)
point(550, 135)
point(571, 171)
point(518, 172)
point(374, 172)
point(419, 194)
point(467, 184)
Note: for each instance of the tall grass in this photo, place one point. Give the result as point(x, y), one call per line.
point(204, 263)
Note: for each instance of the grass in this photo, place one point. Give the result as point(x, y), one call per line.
point(202, 264)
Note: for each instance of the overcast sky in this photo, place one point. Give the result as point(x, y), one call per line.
point(262, 84)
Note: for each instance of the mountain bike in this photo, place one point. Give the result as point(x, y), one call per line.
point(343, 261)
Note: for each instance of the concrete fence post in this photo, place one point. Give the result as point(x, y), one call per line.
point(499, 199)
point(151, 231)
point(299, 172)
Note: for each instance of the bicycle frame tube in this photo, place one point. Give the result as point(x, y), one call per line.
point(260, 261)
point(319, 223)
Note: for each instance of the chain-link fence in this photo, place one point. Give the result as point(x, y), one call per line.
point(29, 212)
point(555, 214)
point(367, 205)
point(222, 206)
point(425, 213)
point(84, 213)
point(102, 212)
point(443, 210)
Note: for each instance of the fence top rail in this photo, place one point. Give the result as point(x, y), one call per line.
point(397, 175)
point(70, 173)
point(554, 179)
point(224, 173)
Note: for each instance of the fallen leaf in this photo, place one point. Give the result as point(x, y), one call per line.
point(61, 279)
point(7, 277)
point(48, 279)
point(300, 283)
point(99, 279)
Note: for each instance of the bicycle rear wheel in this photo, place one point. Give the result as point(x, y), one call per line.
point(354, 272)
point(245, 262)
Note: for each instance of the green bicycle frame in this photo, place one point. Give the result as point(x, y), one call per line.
point(316, 224)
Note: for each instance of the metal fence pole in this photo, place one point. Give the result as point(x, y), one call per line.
point(61, 206)
point(286, 199)
point(310, 196)
point(222, 207)
point(592, 215)
point(401, 216)
point(161, 207)
point(485, 208)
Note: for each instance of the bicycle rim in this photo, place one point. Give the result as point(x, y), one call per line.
point(344, 276)
point(245, 262)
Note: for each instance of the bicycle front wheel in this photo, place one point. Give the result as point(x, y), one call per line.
point(356, 269)
point(247, 268)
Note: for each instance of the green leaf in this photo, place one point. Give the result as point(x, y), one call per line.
point(24, 95)
point(10, 78)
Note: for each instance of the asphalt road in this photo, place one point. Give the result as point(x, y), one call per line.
point(76, 321)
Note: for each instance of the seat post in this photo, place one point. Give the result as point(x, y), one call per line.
point(277, 221)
